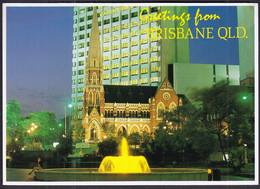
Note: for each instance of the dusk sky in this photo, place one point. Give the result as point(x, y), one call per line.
point(39, 54)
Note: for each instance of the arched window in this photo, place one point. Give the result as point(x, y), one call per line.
point(160, 110)
point(97, 98)
point(94, 78)
point(94, 63)
point(106, 114)
point(172, 106)
point(90, 96)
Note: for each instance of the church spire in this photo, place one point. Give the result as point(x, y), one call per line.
point(94, 53)
point(94, 64)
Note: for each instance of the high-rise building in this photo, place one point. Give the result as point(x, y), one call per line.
point(131, 58)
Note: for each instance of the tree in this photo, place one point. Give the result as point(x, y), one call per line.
point(226, 116)
point(134, 139)
point(109, 130)
point(46, 131)
point(78, 134)
point(65, 146)
point(108, 147)
point(14, 131)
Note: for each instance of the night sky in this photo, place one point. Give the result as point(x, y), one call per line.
point(39, 54)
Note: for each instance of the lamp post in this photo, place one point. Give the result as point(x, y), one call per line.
point(65, 124)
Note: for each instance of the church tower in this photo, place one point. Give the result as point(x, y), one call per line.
point(93, 104)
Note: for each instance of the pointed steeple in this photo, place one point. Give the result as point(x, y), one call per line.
point(94, 54)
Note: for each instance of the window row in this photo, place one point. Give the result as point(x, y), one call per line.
point(131, 114)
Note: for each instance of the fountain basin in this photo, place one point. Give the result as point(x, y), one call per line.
point(92, 174)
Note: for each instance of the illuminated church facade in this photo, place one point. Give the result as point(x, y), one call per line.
point(131, 109)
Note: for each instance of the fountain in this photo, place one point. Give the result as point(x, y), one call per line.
point(124, 163)
point(123, 168)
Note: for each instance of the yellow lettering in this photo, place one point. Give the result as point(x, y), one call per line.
point(209, 32)
point(229, 33)
point(172, 32)
point(146, 17)
point(198, 31)
point(178, 33)
point(220, 36)
point(238, 32)
point(189, 33)
point(148, 33)
point(158, 33)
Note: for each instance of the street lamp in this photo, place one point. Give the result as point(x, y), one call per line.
point(70, 105)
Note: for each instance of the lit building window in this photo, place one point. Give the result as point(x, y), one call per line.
point(134, 33)
point(144, 60)
point(154, 58)
point(115, 10)
point(106, 39)
point(124, 83)
point(124, 26)
point(106, 49)
point(114, 47)
point(133, 24)
point(115, 56)
point(134, 82)
point(107, 12)
point(144, 70)
point(81, 45)
point(106, 76)
point(124, 74)
point(125, 45)
point(80, 99)
point(81, 63)
point(106, 67)
point(106, 58)
point(81, 54)
point(154, 69)
point(133, 43)
point(124, 64)
point(124, 35)
point(82, 19)
point(82, 11)
point(124, 54)
point(81, 72)
point(107, 30)
point(114, 66)
point(144, 41)
point(115, 28)
point(81, 81)
point(154, 49)
point(133, 62)
point(80, 90)
point(124, 8)
point(134, 72)
point(144, 50)
point(154, 79)
point(115, 75)
point(115, 37)
point(135, 52)
point(143, 81)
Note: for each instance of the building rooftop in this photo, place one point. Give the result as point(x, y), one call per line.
point(130, 94)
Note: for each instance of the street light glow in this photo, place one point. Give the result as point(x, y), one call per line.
point(70, 105)
point(28, 131)
point(32, 128)
point(244, 97)
point(35, 126)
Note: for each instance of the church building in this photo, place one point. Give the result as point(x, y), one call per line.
point(131, 109)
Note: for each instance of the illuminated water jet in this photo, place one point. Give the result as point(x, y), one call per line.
point(124, 163)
